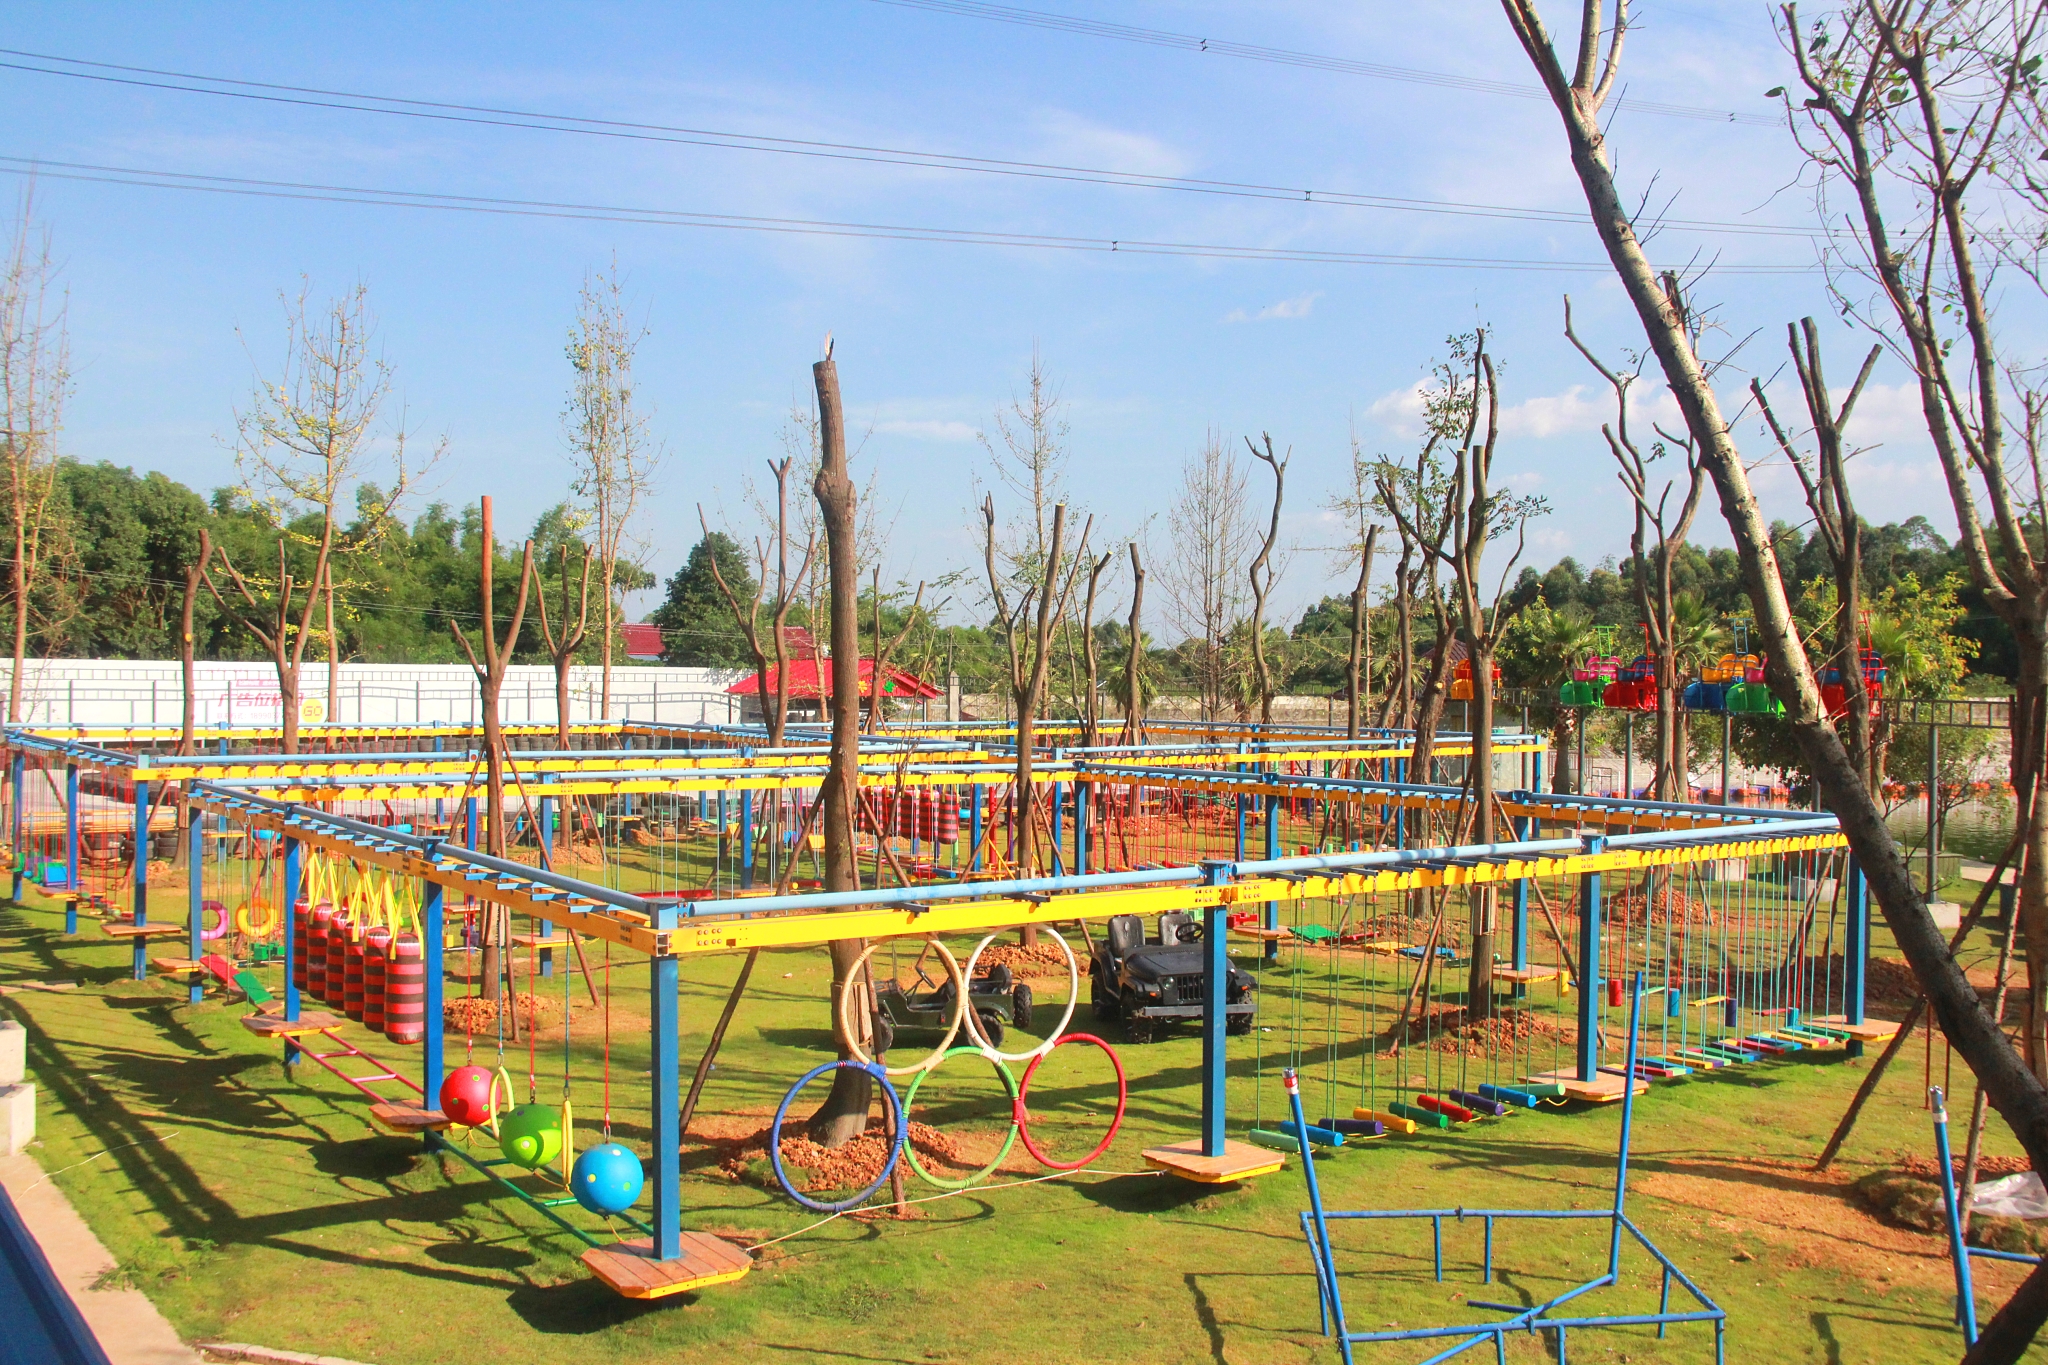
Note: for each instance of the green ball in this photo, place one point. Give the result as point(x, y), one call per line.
point(531, 1135)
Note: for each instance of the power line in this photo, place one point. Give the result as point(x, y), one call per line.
point(1125, 33)
point(532, 208)
point(314, 97)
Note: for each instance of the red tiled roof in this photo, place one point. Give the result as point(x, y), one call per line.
point(803, 681)
point(643, 641)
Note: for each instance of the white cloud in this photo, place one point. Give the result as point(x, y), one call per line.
point(1069, 138)
point(1300, 306)
point(1578, 409)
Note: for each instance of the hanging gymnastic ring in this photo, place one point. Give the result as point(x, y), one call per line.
point(973, 1021)
point(782, 1111)
point(1009, 1083)
point(850, 1037)
point(221, 922)
point(250, 925)
point(1123, 1095)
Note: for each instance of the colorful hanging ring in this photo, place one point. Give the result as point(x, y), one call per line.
point(1009, 1141)
point(850, 1036)
point(1123, 1095)
point(1052, 1034)
point(895, 1148)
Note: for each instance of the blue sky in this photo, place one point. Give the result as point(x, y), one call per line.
point(174, 295)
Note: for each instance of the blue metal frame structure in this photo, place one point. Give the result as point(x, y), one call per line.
point(1522, 1318)
point(1959, 1251)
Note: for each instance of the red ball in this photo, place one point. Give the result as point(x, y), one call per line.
point(466, 1096)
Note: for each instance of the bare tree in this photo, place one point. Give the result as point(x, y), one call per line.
point(1418, 501)
point(1356, 506)
point(270, 622)
point(195, 575)
point(563, 645)
point(1031, 460)
point(490, 682)
point(1263, 572)
point(614, 459)
point(1908, 108)
point(1655, 598)
point(844, 1114)
point(1091, 699)
point(771, 550)
point(1134, 661)
point(878, 664)
point(1826, 485)
point(2014, 1089)
point(1029, 642)
point(304, 444)
point(1210, 537)
point(35, 380)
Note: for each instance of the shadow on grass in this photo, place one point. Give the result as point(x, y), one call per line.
point(583, 1307)
point(1150, 1193)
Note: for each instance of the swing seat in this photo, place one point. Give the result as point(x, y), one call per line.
point(408, 1119)
point(629, 1268)
point(1240, 1161)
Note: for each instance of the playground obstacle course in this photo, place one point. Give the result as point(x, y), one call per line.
point(1748, 918)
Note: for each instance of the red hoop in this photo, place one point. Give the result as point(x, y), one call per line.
point(1022, 1115)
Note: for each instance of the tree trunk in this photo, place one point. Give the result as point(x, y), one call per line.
point(1479, 986)
point(1359, 645)
point(18, 583)
point(844, 1114)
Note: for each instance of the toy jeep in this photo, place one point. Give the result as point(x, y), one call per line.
point(1151, 983)
point(994, 996)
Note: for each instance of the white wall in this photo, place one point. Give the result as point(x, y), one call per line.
point(150, 692)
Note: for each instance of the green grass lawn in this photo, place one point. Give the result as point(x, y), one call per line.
point(259, 1207)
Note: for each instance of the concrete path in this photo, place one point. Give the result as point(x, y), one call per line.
point(124, 1320)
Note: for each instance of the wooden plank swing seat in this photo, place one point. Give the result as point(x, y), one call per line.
point(151, 930)
point(629, 1267)
point(1869, 1031)
point(277, 1026)
point(1240, 1161)
point(405, 1119)
point(1601, 1089)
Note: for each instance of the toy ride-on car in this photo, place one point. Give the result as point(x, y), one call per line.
point(996, 998)
point(1151, 983)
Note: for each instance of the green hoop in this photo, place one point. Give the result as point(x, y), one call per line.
point(910, 1148)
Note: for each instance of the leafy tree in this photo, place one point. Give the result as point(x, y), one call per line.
point(697, 628)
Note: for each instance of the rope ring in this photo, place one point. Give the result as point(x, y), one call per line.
point(850, 1038)
point(1123, 1095)
point(1052, 1035)
point(782, 1111)
point(1009, 1083)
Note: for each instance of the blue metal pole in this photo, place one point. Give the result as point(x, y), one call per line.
point(1400, 812)
point(195, 863)
point(1856, 951)
point(547, 830)
point(433, 938)
point(440, 803)
point(1328, 1279)
point(1215, 995)
point(71, 827)
point(665, 1039)
point(1589, 965)
point(470, 821)
point(1628, 1112)
point(1523, 828)
point(1271, 951)
point(974, 829)
point(1059, 812)
point(1966, 1292)
point(291, 927)
point(14, 838)
point(746, 839)
point(1080, 829)
point(141, 913)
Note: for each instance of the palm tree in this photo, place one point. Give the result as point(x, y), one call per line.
point(1550, 644)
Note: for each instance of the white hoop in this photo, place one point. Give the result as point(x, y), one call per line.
point(1053, 1035)
point(851, 1038)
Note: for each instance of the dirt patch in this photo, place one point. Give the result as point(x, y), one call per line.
point(814, 1169)
point(1808, 1219)
point(474, 1014)
point(1913, 1199)
point(1670, 904)
point(1044, 960)
point(1447, 1028)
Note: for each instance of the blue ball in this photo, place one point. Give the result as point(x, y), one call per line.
point(607, 1179)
